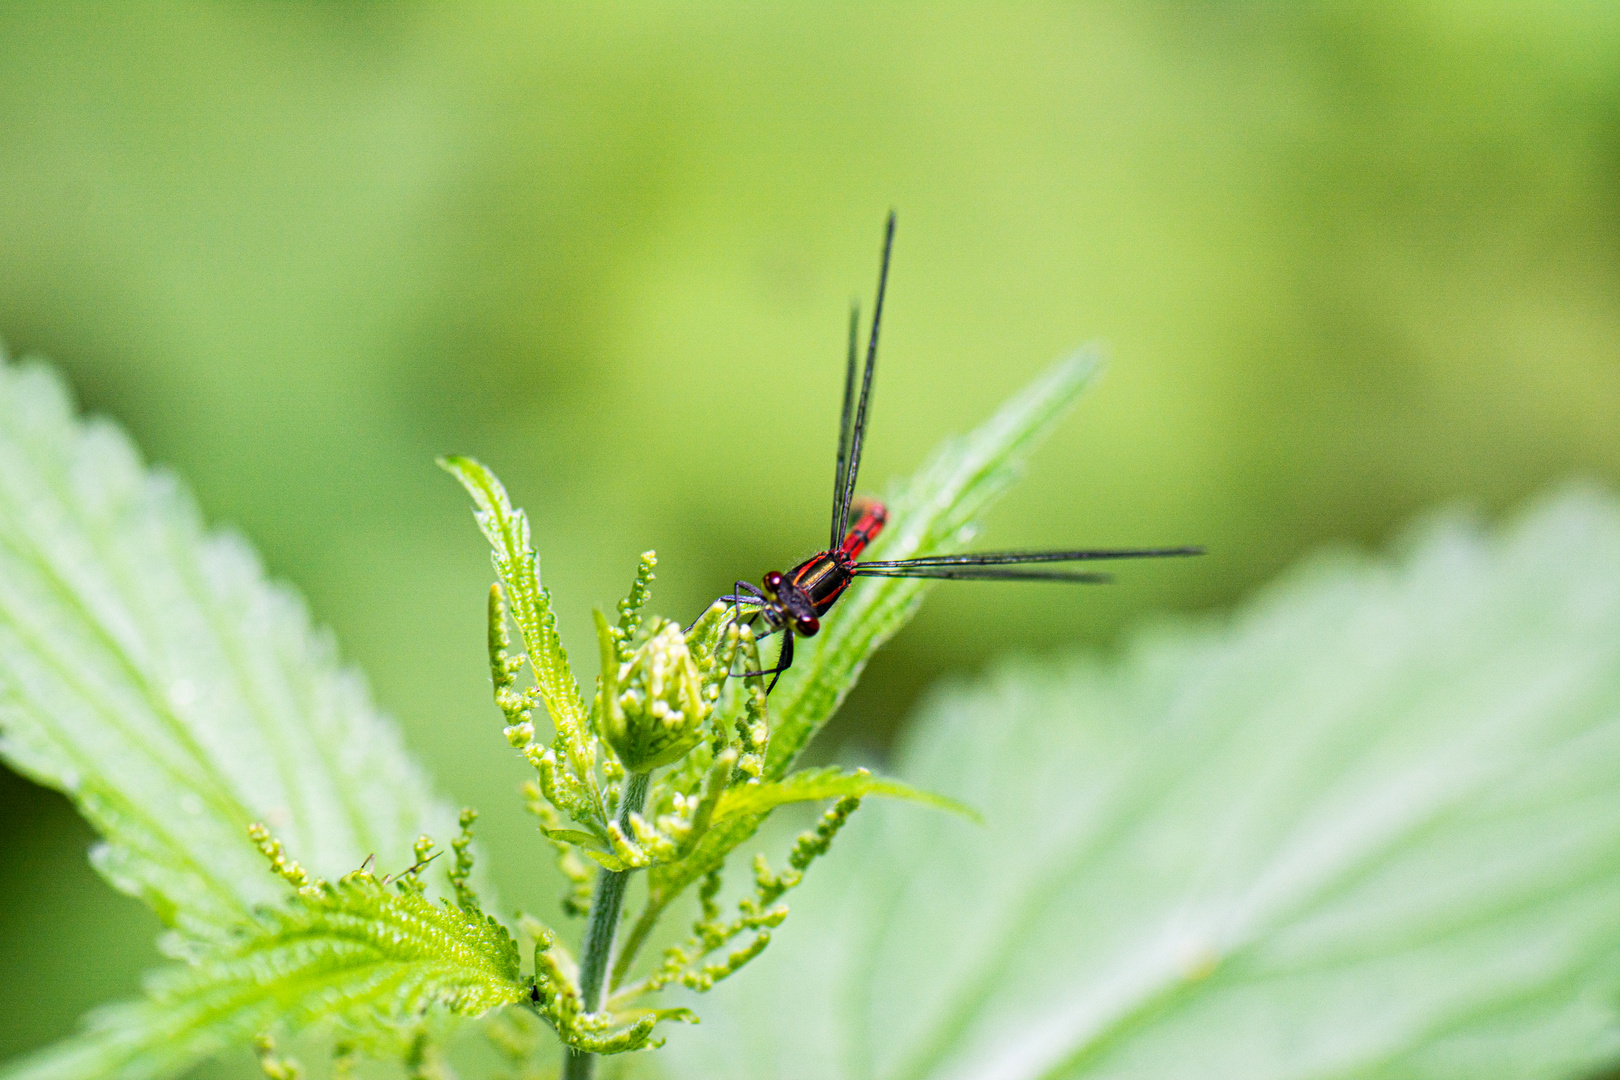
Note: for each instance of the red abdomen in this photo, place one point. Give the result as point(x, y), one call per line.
point(870, 516)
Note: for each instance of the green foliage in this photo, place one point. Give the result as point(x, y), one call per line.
point(651, 712)
point(461, 873)
point(93, 537)
point(570, 764)
point(1368, 827)
point(937, 511)
point(368, 958)
point(631, 606)
point(1263, 199)
point(827, 783)
point(1360, 257)
point(617, 1029)
point(758, 913)
point(149, 670)
point(668, 699)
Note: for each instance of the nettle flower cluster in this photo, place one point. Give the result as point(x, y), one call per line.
point(661, 770)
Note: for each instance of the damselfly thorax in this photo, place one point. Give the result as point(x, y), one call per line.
point(809, 590)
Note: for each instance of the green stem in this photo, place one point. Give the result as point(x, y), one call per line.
point(632, 944)
point(606, 902)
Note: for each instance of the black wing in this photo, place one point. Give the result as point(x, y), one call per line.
point(1014, 558)
point(838, 514)
point(852, 467)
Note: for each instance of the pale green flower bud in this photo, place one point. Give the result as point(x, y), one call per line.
point(653, 707)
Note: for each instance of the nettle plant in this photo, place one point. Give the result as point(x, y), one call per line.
point(247, 790)
point(667, 702)
point(1367, 826)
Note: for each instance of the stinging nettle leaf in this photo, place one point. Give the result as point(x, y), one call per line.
point(353, 953)
point(507, 529)
point(150, 671)
point(810, 785)
point(1369, 827)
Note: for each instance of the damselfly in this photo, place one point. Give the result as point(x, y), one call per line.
point(794, 603)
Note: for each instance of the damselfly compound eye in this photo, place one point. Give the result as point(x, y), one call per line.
point(807, 626)
point(773, 581)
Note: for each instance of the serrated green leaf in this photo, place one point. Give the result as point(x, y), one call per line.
point(507, 529)
point(576, 837)
point(1369, 827)
point(811, 785)
point(936, 511)
point(150, 671)
point(355, 953)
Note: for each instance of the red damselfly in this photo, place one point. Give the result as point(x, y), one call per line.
point(794, 603)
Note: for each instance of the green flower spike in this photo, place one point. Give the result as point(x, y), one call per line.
point(652, 708)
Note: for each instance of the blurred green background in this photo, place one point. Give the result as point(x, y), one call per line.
point(1349, 261)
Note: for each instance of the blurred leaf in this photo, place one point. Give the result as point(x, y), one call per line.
point(355, 952)
point(1369, 827)
point(811, 785)
point(149, 671)
point(936, 511)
